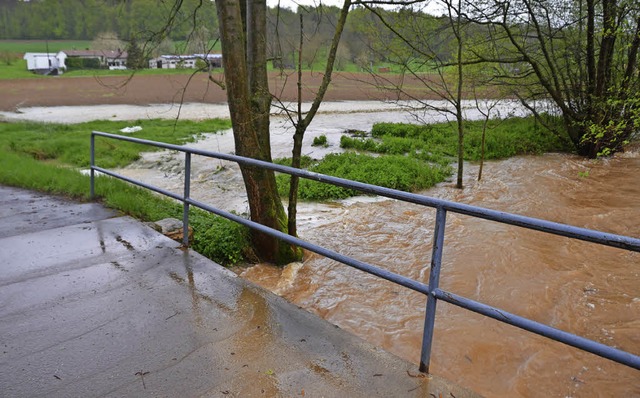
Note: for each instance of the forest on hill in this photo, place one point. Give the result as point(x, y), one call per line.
point(194, 28)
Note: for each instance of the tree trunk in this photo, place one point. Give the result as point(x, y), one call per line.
point(301, 123)
point(607, 43)
point(458, 101)
point(292, 226)
point(591, 58)
point(249, 102)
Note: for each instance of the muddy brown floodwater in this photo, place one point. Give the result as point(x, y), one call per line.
point(580, 287)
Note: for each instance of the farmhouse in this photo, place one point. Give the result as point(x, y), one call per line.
point(185, 61)
point(97, 59)
point(45, 63)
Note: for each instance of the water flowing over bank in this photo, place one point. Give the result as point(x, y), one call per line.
point(575, 286)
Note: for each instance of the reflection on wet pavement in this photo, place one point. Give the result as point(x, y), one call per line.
point(113, 308)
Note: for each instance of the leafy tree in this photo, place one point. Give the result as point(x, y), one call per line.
point(107, 41)
point(135, 56)
point(582, 56)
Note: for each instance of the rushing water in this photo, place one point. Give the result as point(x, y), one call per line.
point(579, 287)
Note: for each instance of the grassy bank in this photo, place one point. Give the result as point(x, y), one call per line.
point(46, 157)
point(68, 144)
point(439, 142)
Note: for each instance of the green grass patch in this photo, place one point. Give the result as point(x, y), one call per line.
point(224, 241)
point(45, 157)
point(415, 157)
point(41, 46)
point(16, 70)
point(320, 141)
point(69, 143)
point(392, 171)
point(439, 142)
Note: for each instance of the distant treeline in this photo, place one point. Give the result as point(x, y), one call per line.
point(86, 19)
point(196, 21)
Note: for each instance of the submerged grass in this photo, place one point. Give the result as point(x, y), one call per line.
point(504, 138)
point(415, 157)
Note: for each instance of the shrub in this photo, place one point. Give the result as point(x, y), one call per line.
point(320, 141)
point(75, 63)
point(224, 241)
point(361, 144)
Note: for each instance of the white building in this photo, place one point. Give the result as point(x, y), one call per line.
point(52, 64)
point(45, 63)
point(185, 61)
point(112, 59)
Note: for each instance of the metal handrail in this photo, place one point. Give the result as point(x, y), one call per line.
point(432, 291)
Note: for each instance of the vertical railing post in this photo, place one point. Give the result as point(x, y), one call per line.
point(185, 204)
point(434, 280)
point(92, 190)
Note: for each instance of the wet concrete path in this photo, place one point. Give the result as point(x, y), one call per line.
point(92, 304)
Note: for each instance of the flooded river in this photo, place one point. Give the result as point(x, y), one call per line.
point(576, 286)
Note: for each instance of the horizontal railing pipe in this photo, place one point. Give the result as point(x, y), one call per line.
point(390, 276)
point(582, 343)
point(603, 238)
point(139, 183)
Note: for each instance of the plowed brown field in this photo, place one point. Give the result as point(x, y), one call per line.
point(172, 88)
